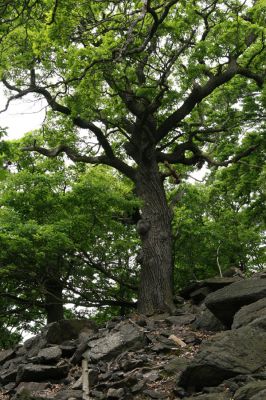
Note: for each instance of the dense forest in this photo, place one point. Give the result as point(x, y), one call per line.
point(101, 210)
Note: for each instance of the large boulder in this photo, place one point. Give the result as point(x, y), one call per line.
point(61, 331)
point(251, 314)
point(251, 391)
point(225, 302)
point(49, 355)
point(41, 373)
point(127, 336)
point(199, 290)
point(229, 353)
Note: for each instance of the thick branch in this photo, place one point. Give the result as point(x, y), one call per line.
point(90, 302)
point(108, 159)
point(18, 299)
point(76, 157)
point(99, 267)
point(199, 93)
point(178, 156)
point(232, 160)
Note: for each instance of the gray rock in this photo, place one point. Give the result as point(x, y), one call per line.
point(68, 349)
point(50, 354)
point(8, 376)
point(207, 321)
point(58, 332)
point(211, 396)
point(218, 282)
point(250, 390)
point(175, 365)
point(250, 313)
point(128, 337)
point(40, 373)
point(6, 355)
point(259, 396)
point(98, 395)
point(212, 284)
point(68, 394)
point(151, 376)
point(32, 387)
point(13, 362)
point(115, 393)
point(9, 386)
point(178, 300)
point(154, 394)
point(230, 353)
point(21, 351)
point(93, 379)
point(225, 303)
point(138, 387)
point(181, 319)
point(34, 345)
point(199, 295)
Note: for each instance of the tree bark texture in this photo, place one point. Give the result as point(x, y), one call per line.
point(154, 228)
point(53, 300)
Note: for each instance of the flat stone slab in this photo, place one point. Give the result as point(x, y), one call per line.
point(227, 354)
point(126, 337)
point(250, 314)
point(40, 373)
point(50, 355)
point(211, 284)
point(225, 302)
point(211, 396)
point(185, 319)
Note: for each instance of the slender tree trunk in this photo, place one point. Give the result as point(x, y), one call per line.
point(54, 300)
point(154, 227)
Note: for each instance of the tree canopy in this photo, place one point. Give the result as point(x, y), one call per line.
point(150, 88)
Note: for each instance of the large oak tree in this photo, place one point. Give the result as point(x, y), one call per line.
point(144, 87)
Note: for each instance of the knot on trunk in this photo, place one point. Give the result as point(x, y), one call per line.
point(143, 226)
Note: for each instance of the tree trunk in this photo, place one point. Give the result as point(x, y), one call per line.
point(54, 300)
point(154, 227)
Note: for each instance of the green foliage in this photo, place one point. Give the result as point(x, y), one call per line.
point(221, 222)
point(139, 87)
point(57, 221)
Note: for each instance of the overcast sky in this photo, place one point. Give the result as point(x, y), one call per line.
point(22, 115)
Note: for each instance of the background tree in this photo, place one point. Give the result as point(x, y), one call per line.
point(62, 233)
point(152, 84)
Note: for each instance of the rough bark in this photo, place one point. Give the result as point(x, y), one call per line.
point(154, 228)
point(54, 300)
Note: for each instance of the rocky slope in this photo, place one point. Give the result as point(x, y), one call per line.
point(214, 349)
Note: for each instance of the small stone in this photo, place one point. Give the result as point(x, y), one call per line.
point(151, 376)
point(115, 393)
point(154, 394)
point(138, 387)
point(98, 395)
point(181, 319)
point(68, 394)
